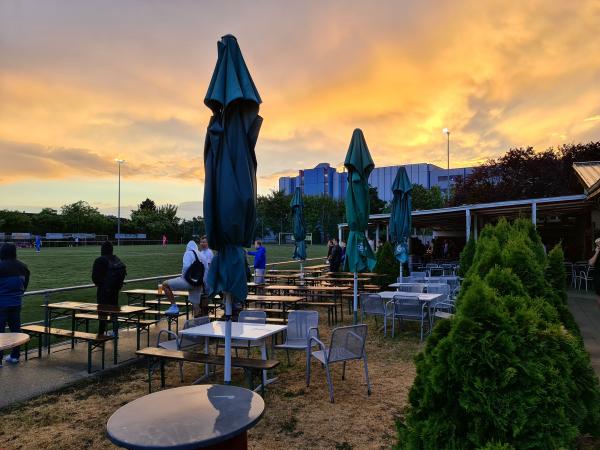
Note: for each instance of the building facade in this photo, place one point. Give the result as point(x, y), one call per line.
point(326, 180)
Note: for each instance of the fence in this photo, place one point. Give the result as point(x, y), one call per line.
point(47, 293)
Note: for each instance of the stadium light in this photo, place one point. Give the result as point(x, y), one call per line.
point(446, 131)
point(119, 162)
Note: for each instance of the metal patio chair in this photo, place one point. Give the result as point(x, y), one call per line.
point(347, 344)
point(301, 325)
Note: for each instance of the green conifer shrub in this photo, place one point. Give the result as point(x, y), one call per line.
point(387, 265)
point(506, 369)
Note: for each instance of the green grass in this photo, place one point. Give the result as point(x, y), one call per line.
point(71, 266)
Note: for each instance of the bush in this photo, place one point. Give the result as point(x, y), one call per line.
point(387, 265)
point(504, 372)
point(466, 257)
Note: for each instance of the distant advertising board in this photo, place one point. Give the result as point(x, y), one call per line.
point(130, 236)
point(84, 235)
point(20, 236)
point(55, 235)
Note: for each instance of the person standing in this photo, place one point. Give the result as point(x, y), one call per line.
point(108, 274)
point(594, 261)
point(14, 278)
point(260, 262)
point(164, 241)
point(206, 256)
point(335, 258)
point(38, 243)
point(181, 283)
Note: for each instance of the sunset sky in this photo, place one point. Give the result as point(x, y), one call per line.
point(85, 82)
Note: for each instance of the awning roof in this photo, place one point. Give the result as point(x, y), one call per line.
point(454, 217)
point(589, 174)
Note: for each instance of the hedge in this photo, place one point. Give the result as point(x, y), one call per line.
point(509, 370)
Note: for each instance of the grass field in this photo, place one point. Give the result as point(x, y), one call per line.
point(71, 266)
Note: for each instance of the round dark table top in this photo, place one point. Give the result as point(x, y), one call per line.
point(11, 340)
point(185, 417)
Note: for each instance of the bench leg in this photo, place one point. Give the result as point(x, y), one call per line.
point(40, 346)
point(137, 334)
point(150, 375)
point(89, 365)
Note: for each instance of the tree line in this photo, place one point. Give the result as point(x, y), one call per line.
point(80, 217)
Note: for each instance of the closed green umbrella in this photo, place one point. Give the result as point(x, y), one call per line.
point(230, 177)
point(359, 254)
point(297, 205)
point(400, 218)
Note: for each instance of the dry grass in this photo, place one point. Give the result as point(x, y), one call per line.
point(296, 417)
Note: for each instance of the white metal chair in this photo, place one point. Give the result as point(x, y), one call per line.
point(409, 308)
point(375, 305)
point(182, 342)
point(301, 325)
point(347, 344)
point(585, 276)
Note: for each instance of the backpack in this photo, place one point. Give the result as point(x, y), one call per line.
point(194, 274)
point(115, 275)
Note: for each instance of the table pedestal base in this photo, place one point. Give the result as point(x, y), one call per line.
point(240, 442)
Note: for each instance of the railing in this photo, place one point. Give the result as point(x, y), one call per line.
point(48, 292)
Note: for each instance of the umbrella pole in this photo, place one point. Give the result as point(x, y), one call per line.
point(355, 298)
point(301, 272)
point(228, 307)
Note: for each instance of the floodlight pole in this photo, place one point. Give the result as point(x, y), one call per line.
point(119, 162)
point(447, 132)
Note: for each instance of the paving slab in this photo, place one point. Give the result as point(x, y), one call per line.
point(65, 366)
point(584, 307)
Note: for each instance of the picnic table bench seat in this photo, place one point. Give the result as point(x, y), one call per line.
point(250, 365)
point(144, 324)
point(93, 340)
point(164, 302)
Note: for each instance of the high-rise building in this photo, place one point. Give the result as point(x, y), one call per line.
point(326, 180)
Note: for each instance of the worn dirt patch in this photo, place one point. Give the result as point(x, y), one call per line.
point(296, 416)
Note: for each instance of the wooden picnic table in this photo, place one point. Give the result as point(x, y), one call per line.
point(336, 280)
point(141, 294)
point(127, 311)
point(319, 290)
point(12, 340)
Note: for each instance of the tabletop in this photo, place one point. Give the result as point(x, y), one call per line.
point(185, 417)
point(424, 284)
point(274, 298)
point(239, 330)
point(154, 292)
point(12, 340)
point(389, 295)
point(306, 288)
point(93, 307)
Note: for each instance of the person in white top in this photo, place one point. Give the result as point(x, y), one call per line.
point(181, 284)
point(206, 256)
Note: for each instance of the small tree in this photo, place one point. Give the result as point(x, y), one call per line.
point(387, 264)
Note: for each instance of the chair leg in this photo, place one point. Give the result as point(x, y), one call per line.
point(367, 374)
point(344, 370)
point(307, 367)
point(329, 383)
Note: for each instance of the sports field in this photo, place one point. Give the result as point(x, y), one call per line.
point(71, 266)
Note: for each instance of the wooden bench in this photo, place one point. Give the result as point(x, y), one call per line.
point(93, 340)
point(331, 306)
point(144, 324)
point(164, 302)
point(251, 366)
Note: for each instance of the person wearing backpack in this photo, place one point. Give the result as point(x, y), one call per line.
point(108, 274)
point(193, 274)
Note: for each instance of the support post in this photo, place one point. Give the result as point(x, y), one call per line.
point(227, 368)
point(355, 303)
point(476, 227)
point(468, 223)
point(339, 233)
point(377, 235)
point(534, 213)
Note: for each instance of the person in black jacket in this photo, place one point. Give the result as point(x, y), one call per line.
point(108, 274)
point(335, 259)
point(14, 278)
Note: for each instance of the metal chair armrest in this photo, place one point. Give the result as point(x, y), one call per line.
point(169, 333)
